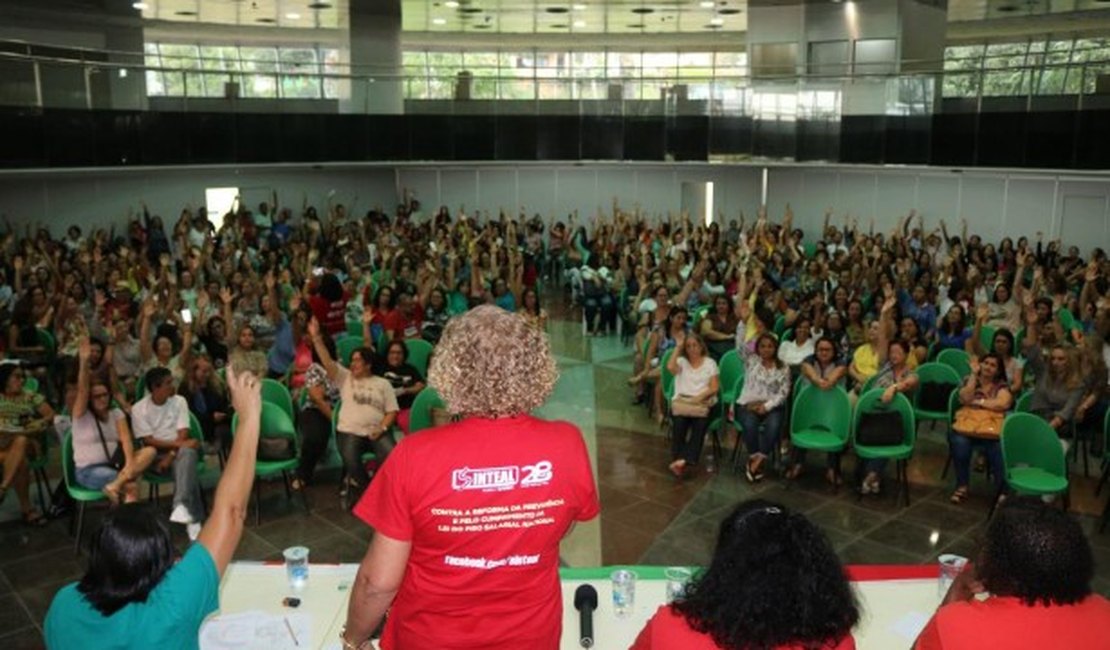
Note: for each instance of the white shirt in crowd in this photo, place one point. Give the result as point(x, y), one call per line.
point(87, 449)
point(793, 354)
point(160, 422)
point(693, 381)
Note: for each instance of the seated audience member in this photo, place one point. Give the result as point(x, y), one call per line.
point(104, 454)
point(696, 381)
point(1035, 568)
point(244, 352)
point(894, 376)
point(368, 410)
point(407, 382)
point(953, 333)
point(1057, 387)
point(161, 419)
point(984, 400)
point(530, 310)
point(321, 395)
point(406, 320)
point(760, 405)
point(24, 417)
point(134, 594)
point(206, 396)
point(329, 305)
point(718, 327)
point(774, 582)
point(824, 370)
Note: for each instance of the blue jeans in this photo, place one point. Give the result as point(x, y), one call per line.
point(961, 447)
point(761, 432)
point(95, 477)
point(604, 303)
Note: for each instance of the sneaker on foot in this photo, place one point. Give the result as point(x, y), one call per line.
point(180, 515)
point(193, 529)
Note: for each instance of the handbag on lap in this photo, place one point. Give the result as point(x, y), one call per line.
point(880, 429)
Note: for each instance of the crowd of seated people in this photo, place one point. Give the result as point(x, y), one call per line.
point(842, 308)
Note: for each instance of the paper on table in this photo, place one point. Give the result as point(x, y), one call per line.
point(256, 630)
point(909, 625)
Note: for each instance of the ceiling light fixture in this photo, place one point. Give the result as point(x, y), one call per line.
point(579, 24)
point(717, 21)
point(579, 7)
point(141, 6)
point(292, 16)
point(707, 4)
point(450, 4)
point(439, 21)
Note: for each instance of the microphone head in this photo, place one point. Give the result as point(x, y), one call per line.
point(585, 597)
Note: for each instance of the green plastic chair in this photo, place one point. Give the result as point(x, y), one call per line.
point(382, 343)
point(698, 315)
point(935, 372)
point(1033, 458)
point(47, 341)
point(31, 384)
point(354, 328)
point(346, 346)
point(810, 249)
point(274, 423)
point(821, 420)
point(420, 417)
point(275, 392)
point(420, 351)
point(81, 495)
point(953, 406)
point(869, 385)
point(666, 377)
point(986, 338)
point(730, 373)
point(871, 401)
point(958, 360)
point(1024, 403)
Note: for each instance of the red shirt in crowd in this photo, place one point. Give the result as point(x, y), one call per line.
point(405, 327)
point(484, 503)
point(332, 316)
point(668, 629)
point(1002, 622)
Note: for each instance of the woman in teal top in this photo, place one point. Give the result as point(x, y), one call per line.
point(133, 595)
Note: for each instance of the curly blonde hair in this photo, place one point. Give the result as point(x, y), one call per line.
point(491, 363)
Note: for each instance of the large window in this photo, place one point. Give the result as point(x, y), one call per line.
point(1020, 68)
point(191, 70)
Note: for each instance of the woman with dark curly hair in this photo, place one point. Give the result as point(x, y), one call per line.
point(774, 583)
point(1037, 566)
point(468, 516)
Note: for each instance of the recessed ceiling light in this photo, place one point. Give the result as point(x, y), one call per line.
point(320, 5)
point(712, 26)
point(439, 21)
point(729, 12)
point(267, 21)
point(579, 7)
point(470, 10)
point(141, 6)
point(639, 26)
point(559, 26)
point(717, 21)
point(450, 4)
point(707, 4)
point(185, 12)
point(579, 23)
point(643, 10)
point(556, 10)
point(292, 16)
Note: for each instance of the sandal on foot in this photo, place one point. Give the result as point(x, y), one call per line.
point(34, 519)
point(678, 468)
point(794, 472)
point(112, 492)
point(959, 496)
point(296, 485)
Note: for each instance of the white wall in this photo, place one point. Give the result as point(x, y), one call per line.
point(996, 203)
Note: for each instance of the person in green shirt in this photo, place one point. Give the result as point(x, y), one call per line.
point(133, 594)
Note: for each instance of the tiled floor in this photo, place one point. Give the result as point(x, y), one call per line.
point(648, 517)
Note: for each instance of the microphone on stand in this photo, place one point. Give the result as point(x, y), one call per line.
point(585, 601)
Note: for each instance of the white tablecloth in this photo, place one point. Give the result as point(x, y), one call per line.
point(894, 611)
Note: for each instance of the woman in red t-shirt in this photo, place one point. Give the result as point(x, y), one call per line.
point(774, 582)
point(468, 516)
point(329, 305)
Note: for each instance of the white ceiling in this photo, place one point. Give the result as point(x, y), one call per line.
point(553, 17)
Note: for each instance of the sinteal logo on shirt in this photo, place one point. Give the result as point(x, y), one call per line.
point(489, 479)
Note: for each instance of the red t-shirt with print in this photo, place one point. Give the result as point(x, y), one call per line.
point(332, 316)
point(484, 503)
point(1004, 622)
point(408, 326)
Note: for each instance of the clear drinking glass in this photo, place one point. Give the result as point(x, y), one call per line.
point(624, 592)
point(950, 567)
point(296, 566)
point(677, 577)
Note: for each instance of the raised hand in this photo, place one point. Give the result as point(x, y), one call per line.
point(84, 349)
point(314, 327)
point(225, 295)
point(246, 391)
point(982, 311)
